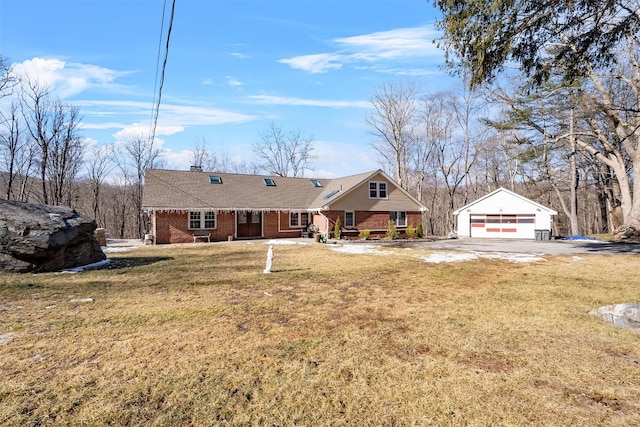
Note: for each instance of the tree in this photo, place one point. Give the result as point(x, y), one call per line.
point(16, 154)
point(391, 122)
point(480, 37)
point(98, 165)
point(134, 157)
point(53, 127)
point(65, 157)
point(284, 154)
point(7, 78)
point(202, 157)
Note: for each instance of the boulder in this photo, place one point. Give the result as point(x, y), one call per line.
point(627, 233)
point(37, 238)
point(622, 315)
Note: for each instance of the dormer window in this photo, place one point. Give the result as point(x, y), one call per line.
point(377, 190)
point(316, 183)
point(215, 179)
point(269, 182)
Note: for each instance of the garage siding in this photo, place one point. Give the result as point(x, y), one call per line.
point(503, 214)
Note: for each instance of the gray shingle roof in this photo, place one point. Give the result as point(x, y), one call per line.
point(173, 189)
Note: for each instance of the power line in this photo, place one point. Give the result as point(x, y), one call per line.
point(154, 123)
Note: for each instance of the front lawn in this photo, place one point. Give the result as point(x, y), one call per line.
point(198, 335)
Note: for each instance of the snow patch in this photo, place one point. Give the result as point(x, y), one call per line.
point(359, 250)
point(84, 267)
point(284, 242)
point(439, 257)
point(107, 249)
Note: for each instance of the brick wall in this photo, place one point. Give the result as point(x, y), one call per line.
point(173, 227)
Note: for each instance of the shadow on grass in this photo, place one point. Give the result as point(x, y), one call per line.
point(613, 248)
point(290, 270)
point(126, 262)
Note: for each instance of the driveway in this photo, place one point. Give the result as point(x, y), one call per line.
point(545, 247)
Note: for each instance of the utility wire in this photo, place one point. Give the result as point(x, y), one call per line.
point(155, 81)
point(152, 133)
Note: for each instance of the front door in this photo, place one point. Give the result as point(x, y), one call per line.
point(249, 223)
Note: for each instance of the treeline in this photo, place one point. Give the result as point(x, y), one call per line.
point(572, 147)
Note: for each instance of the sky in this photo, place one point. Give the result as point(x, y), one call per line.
point(234, 68)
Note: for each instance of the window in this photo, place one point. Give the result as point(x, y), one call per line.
point(269, 182)
point(316, 183)
point(377, 190)
point(333, 193)
point(400, 218)
point(215, 179)
point(202, 219)
point(349, 219)
point(299, 219)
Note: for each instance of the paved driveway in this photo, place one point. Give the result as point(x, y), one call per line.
point(548, 247)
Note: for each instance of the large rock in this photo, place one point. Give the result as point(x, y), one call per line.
point(37, 238)
point(622, 315)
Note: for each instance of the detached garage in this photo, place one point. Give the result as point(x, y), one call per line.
point(504, 214)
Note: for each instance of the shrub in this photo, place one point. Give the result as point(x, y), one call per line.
point(337, 230)
point(410, 232)
point(392, 230)
point(364, 234)
point(419, 231)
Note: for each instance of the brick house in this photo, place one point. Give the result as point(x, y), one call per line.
point(222, 206)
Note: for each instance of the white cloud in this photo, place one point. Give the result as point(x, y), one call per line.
point(136, 130)
point(280, 100)
point(318, 63)
point(233, 82)
point(169, 114)
point(66, 79)
point(398, 44)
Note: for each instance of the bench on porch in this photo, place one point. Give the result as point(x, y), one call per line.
point(201, 234)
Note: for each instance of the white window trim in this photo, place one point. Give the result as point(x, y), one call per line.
point(202, 220)
point(299, 216)
point(377, 183)
point(396, 220)
point(353, 216)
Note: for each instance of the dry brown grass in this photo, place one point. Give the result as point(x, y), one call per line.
point(198, 335)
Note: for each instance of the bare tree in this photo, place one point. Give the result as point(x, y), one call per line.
point(16, 154)
point(134, 157)
point(65, 157)
point(284, 154)
point(7, 78)
point(98, 166)
point(53, 126)
point(394, 113)
point(203, 157)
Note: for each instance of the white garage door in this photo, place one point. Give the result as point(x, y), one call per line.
point(503, 226)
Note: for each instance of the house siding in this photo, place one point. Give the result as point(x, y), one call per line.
point(359, 200)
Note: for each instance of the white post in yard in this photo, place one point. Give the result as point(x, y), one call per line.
point(267, 269)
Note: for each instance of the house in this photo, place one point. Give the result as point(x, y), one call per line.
point(505, 214)
point(222, 206)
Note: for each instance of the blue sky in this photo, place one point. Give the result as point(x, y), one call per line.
point(234, 67)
